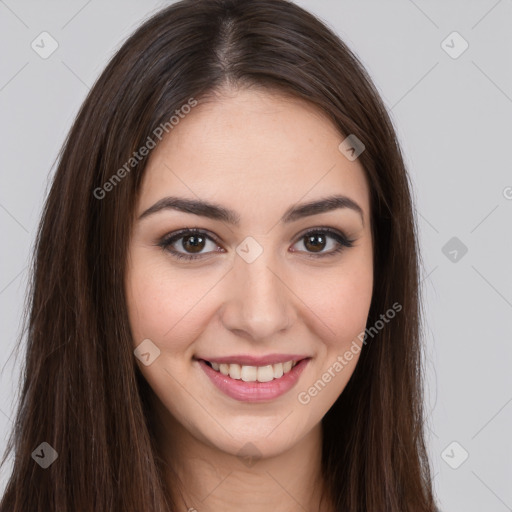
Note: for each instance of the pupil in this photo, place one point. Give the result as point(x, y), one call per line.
point(315, 246)
point(194, 243)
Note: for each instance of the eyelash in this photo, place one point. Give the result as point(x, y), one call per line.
point(168, 240)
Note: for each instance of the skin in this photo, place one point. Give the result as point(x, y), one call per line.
point(258, 153)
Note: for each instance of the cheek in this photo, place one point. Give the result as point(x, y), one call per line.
point(341, 300)
point(164, 305)
point(344, 309)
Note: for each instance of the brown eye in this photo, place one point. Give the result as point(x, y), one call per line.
point(193, 243)
point(315, 242)
point(189, 244)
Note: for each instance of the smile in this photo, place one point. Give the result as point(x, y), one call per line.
point(248, 383)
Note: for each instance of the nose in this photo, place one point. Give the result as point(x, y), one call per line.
point(260, 303)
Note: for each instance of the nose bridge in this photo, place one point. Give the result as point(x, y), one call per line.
point(260, 302)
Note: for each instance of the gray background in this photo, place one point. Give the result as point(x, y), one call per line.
point(454, 120)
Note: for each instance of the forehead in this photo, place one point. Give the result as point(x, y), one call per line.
point(256, 152)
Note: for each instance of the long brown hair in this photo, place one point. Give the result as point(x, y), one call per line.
point(81, 390)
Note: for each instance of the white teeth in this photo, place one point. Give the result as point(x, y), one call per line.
point(249, 373)
point(278, 370)
point(254, 373)
point(265, 373)
point(235, 371)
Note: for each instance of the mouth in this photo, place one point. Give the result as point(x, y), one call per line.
point(249, 383)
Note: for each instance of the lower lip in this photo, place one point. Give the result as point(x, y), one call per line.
point(254, 391)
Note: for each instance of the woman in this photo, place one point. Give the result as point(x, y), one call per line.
point(224, 308)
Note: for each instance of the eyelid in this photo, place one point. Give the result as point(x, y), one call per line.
point(322, 229)
point(176, 235)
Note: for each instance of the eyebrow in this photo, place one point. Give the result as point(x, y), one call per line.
point(218, 212)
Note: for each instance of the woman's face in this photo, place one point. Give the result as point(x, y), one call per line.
point(260, 291)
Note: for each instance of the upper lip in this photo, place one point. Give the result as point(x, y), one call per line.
point(247, 360)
